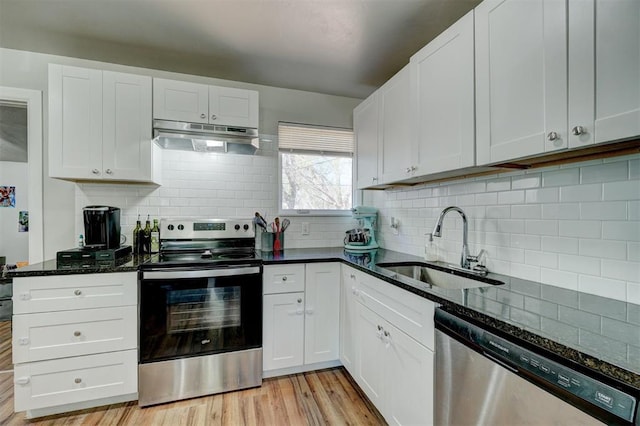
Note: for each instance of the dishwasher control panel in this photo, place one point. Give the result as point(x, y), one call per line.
point(521, 360)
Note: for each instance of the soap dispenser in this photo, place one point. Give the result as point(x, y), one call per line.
point(430, 249)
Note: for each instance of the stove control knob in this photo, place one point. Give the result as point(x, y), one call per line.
point(170, 227)
point(237, 227)
point(246, 227)
point(181, 227)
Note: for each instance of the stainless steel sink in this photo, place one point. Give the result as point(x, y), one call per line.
point(437, 275)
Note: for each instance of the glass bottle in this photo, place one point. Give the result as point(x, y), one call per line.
point(155, 237)
point(146, 236)
point(136, 234)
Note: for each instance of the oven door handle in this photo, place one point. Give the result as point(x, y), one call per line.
point(199, 273)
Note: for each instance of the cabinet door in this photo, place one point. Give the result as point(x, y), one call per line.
point(442, 82)
point(395, 128)
point(283, 330)
point(365, 132)
point(180, 101)
point(233, 107)
point(75, 122)
point(409, 379)
point(604, 101)
point(370, 353)
point(322, 309)
point(521, 78)
point(348, 319)
point(127, 146)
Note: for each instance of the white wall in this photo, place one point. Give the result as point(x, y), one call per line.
point(29, 70)
point(575, 226)
point(13, 244)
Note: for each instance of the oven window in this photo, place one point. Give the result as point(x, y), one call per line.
point(203, 309)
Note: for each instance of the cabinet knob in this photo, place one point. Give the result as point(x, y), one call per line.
point(95, 171)
point(109, 171)
point(408, 169)
point(77, 333)
point(23, 341)
point(310, 311)
point(386, 333)
point(284, 278)
point(203, 115)
point(25, 296)
point(299, 300)
point(353, 277)
point(379, 328)
point(213, 116)
point(77, 292)
point(552, 136)
point(578, 130)
point(22, 380)
point(373, 179)
point(78, 380)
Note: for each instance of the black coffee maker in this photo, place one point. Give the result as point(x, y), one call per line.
point(101, 227)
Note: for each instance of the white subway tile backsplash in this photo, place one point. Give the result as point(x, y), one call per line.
point(526, 211)
point(511, 197)
point(603, 287)
point(560, 245)
point(627, 271)
point(564, 279)
point(603, 249)
point(605, 172)
point(579, 264)
point(625, 190)
point(544, 259)
point(591, 192)
point(561, 177)
point(614, 210)
point(541, 227)
point(580, 228)
point(523, 241)
point(542, 195)
point(500, 184)
point(561, 211)
point(526, 181)
point(634, 169)
point(633, 252)
point(617, 230)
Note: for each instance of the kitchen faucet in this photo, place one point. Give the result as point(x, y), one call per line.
point(465, 258)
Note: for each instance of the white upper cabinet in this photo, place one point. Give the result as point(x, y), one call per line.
point(100, 126)
point(180, 101)
point(395, 128)
point(365, 132)
point(200, 103)
point(521, 78)
point(442, 101)
point(233, 107)
point(604, 101)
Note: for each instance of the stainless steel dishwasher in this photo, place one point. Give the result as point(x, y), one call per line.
point(484, 379)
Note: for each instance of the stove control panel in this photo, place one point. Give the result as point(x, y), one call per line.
point(189, 228)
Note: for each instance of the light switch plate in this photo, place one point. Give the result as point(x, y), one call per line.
point(305, 228)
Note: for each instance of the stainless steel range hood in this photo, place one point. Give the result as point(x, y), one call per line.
point(205, 137)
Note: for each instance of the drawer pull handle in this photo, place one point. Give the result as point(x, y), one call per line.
point(77, 292)
point(353, 277)
point(22, 380)
point(78, 380)
point(77, 333)
point(284, 278)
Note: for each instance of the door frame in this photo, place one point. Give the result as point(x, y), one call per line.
point(33, 99)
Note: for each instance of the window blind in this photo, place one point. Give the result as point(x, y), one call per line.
point(303, 137)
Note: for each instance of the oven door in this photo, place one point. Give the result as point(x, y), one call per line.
point(191, 312)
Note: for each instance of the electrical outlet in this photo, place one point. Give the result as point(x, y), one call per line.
point(305, 228)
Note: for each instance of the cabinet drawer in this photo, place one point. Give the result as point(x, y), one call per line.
point(71, 380)
point(51, 335)
point(412, 314)
point(283, 278)
point(68, 292)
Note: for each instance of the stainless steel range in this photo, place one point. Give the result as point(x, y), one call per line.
point(200, 311)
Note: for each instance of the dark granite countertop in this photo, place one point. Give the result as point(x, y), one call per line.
point(595, 333)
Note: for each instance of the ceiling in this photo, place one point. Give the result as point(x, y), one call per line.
point(338, 47)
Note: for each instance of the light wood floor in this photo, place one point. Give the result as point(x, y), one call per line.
point(326, 397)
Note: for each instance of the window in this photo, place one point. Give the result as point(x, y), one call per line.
point(316, 169)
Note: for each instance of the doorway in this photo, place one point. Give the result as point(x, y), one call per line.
point(21, 209)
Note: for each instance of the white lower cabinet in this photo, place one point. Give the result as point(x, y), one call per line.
point(300, 328)
point(390, 354)
point(75, 341)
